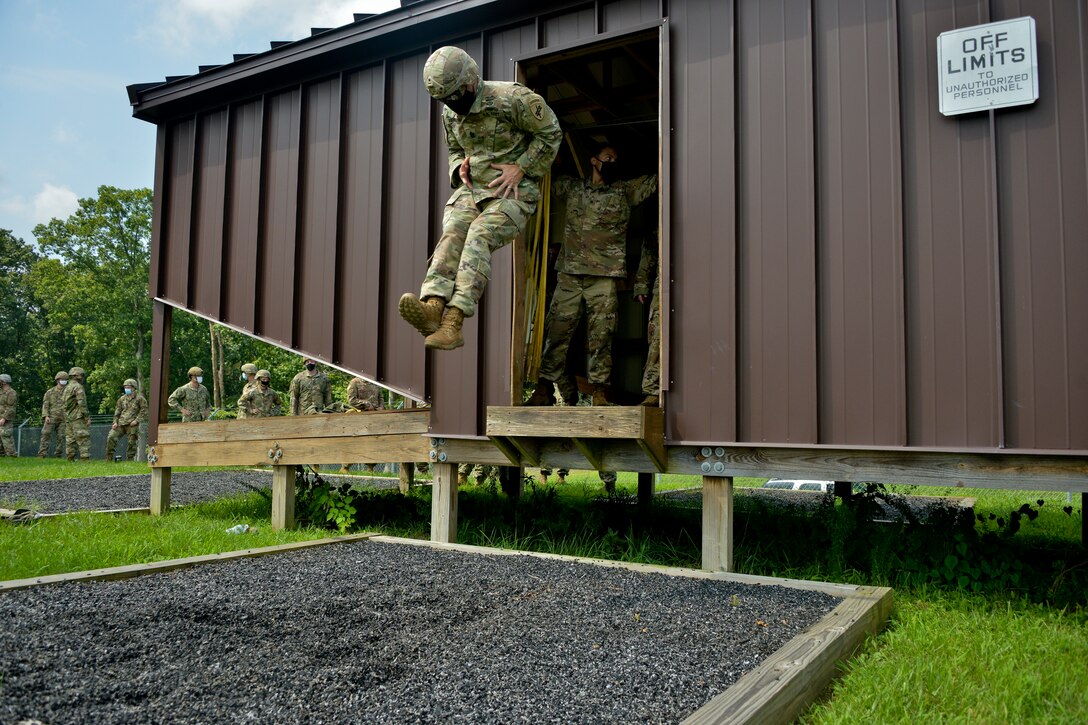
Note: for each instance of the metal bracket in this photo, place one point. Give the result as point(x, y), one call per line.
point(275, 453)
point(712, 464)
point(436, 453)
point(152, 457)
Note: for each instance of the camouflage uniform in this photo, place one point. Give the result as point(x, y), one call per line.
point(364, 395)
point(131, 410)
point(480, 471)
point(195, 400)
point(506, 124)
point(8, 399)
point(52, 421)
point(310, 394)
point(260, 403)
point(592, 257)
point(644, 285)
point(77, 421)
point(249, 384)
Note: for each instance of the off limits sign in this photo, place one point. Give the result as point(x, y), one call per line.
point(988, 66)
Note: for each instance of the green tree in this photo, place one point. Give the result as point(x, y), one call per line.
point(20, 322)
point(95, 284)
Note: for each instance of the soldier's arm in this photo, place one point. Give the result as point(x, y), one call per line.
point(294, 395)
point(561, 185)
point(172, 401)
point(638, 190)
point(456, 152)
point(532, 114)
point(647, 265)
point(117, 411)
point(326, 394)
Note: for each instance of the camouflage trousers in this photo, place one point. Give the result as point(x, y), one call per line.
point(132, 432)
point(461, 264)
point(480, 471)
point(52, 428)
point(608, 478)
point(651, 373)
point(77, 434)
point(572, 292)
point(7, 440)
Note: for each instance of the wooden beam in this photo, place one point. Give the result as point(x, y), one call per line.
point(162, 319)
point(613, 421)
point(444, 502)
point(590, 449)
point(717, 523)
point(528, 448)
point(160, 491)
point(508, 449)
point(333, 425)
point(784, 684)
point(645, 488)
point(283, 498)
point(406, 475)
point(468, 450)
point(365, 449)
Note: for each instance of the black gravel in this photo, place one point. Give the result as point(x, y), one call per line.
point(386, 633)
point(116, 492)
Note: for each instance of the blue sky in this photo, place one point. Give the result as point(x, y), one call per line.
point(66, 126)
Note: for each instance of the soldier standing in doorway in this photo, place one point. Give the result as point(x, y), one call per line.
point(502, 138)
point(130, 411)
point(53, 416)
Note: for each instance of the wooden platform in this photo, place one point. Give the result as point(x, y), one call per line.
point(519, 431)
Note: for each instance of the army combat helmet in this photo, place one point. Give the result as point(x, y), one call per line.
point(264, 375)
point(5, 378)
point(76, 372)
point(249, 368)
point(449, 69)
point(195, 371)
point(61, 376)
point(130, 383)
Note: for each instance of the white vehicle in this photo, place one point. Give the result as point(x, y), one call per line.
point(793, 484)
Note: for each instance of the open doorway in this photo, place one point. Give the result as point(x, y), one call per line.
point(606, 93)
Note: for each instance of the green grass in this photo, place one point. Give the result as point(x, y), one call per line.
point(82, 541)
point(40, 469)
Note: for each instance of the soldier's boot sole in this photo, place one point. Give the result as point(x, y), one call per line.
point(425, 317)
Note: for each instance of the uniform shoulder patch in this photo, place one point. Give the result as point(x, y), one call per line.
point(536, 106)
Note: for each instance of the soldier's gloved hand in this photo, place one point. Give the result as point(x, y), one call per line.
point(508, 180)
point(185, 412)
point(465, 173)
point(113, 427)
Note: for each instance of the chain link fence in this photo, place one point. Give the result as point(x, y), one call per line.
point(28, 438)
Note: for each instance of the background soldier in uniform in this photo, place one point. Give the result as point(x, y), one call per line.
point(77, 417)
point(249, 378)
point(8, 400)
point(364, 395)
point(192, 398)
point(590, 261)
point(502, 139)
point(310, 390)
point(260, 400)
point(53, 416)
point(130, 411)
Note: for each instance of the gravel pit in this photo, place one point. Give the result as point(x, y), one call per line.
point(387, 633)
point(99, 493)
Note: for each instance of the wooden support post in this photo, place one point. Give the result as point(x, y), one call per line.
point(407, 474)
point(1084, 519)
point(162, 320)
point(283, 498)
point(645, 488)
point(512, 480)
point(718, 523)
point(844, 490)
point(444, 503)
point(160, 491)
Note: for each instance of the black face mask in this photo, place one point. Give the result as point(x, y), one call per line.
point(609, 170)
point(310, 366)
point(264, 383)
point(460, 101)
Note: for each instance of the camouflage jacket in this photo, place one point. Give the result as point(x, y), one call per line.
point(647, 268)
point(507, 124)
point(364, 395)
point(310, 394)
point(75, 402)
point(259, 403)
point(130, 409)
point(8, 399)
point(195, 400)
point(595, 233)
point(53, 403)
point(242, 413)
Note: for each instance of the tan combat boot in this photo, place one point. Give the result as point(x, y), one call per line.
point(448, 336)
point(599, 397)
point(650, 401)
point(425, 316)
point(543, 394)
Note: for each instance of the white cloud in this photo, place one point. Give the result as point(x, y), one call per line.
point(53, 202)
point(185, 25)
point(64, 135)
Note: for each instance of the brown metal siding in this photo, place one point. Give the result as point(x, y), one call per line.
point(860, 224)
point(627, 13)
point(174, 271)
point(207, 246)
point(1042, 157)
point(568, 27)
point(317, 261)
point(244, 198)
point(776, 248)
point(703, 380)
point(948, 223)
point(360, 270)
